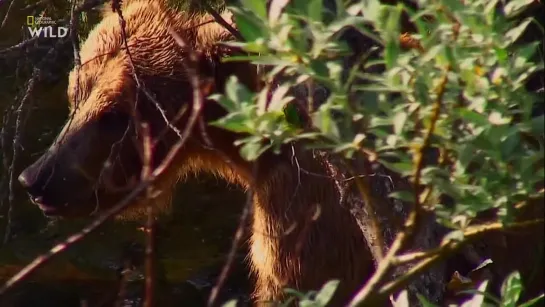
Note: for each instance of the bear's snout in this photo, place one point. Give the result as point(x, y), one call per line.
point(28, 181)
point(87, 167)
point(56, 191)
point(34, 180)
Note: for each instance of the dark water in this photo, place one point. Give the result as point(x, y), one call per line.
point(193, 238)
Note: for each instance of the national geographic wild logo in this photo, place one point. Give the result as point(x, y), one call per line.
point(43, 26)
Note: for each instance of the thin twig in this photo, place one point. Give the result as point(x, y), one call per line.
point(239, 234)
point(19, 123)
point(150, 223)
point(74, 35)
point(140, 85)
point(4, 154)
point(7, 14)
point(446, 248)
point(35, 5)
point(192, 74)
point(70, 241)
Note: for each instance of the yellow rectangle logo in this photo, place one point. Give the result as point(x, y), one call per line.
point(30, 21)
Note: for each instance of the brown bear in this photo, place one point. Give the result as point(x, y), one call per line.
point(301, 235)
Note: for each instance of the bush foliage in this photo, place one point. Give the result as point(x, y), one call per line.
point(455, 87)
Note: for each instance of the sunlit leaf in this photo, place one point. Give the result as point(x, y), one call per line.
point(326, 293)
point(252, 150)
point(512, 35)
point(514, 7)
point(249, 26)
point(511, 289)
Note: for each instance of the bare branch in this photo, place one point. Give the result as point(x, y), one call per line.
point(446, 248)
point(19, 125)
point(7, 14)
point(74, 34)
point(239, 234)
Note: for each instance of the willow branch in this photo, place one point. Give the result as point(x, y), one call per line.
point(446, 248)
point(410, 225)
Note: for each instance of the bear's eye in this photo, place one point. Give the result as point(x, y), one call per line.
point(113, 120)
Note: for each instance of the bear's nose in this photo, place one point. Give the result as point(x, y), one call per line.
point(32, 186)
point(28, 180)
point(23, 179)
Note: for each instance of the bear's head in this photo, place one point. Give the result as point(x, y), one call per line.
point(96, 158)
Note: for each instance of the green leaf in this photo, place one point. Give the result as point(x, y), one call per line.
point(514, 7)
point(538, 125)
point(512, 35)
point(399, 121)
point(474, 117)
point(225, 102)
point(237, 92)
point(322, 120)
point(431, 54)
point(372, 9)
point(257, 46)
point(466, 154)
point(339, 4)
point(523, 55)
point(326, 293)
point(509, 145)
point(511, 289)
point(501, 54)
point(292, 115)
point(234, 122)
point(249, 26)
point(391, 53)
point(252, 150)
point(403, 195)
point(424, 301)
point(315, 9)
point(403, 168)
point(279, 99)
point(295, 293)
point(258, 7)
